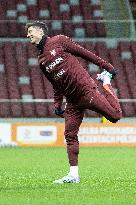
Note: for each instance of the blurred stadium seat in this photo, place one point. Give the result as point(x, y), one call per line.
point(18, 12)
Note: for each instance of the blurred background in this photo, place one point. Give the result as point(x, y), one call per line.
point(105, 27)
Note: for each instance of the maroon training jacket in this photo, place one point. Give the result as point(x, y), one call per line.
point(61, 67)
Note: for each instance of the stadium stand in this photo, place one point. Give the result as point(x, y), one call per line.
point(19, 12)
point(20, 76)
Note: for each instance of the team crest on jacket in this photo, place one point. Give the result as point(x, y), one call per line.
point(53, 52)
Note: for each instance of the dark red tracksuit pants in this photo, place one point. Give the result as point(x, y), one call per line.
point(107, 105)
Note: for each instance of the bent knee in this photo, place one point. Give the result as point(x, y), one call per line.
point(116, 117)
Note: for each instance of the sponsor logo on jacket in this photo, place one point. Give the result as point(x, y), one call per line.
point(59, 74)
point(53, 64)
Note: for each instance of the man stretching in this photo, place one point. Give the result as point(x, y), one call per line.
point(58, 61)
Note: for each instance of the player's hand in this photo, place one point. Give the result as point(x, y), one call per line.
point(114, 73)
point(59, 112)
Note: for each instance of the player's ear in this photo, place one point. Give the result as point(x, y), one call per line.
point(41, 31)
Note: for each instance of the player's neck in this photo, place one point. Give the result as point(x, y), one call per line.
point(42, 42)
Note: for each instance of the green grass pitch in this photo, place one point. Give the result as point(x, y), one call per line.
point(108, 176)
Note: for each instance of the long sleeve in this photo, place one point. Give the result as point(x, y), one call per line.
point(72, 47)
point(58, 98)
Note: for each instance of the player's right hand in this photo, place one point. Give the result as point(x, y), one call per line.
point(59, 112)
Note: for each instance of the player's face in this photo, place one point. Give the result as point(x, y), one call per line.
point(34, 34)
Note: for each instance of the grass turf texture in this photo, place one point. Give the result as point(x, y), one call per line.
point(108, 177)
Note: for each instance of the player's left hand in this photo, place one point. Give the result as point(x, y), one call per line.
point(114, 73)
point(59, 112)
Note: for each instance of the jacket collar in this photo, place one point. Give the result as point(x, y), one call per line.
point(42, 42)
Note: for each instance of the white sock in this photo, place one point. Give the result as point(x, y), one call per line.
point(106, 80)
point(74, 171)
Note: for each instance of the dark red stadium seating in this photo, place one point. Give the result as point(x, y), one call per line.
point(4, 107)
point(101, 50)
point(14, 28)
